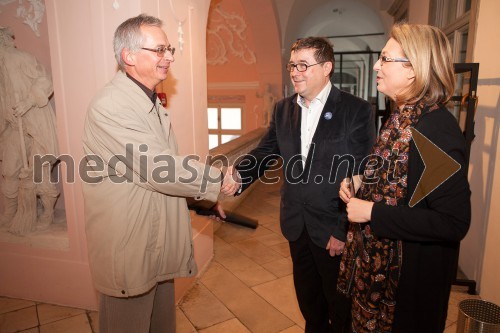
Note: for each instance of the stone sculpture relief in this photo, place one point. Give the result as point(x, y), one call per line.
point(27, 128)
point(268, 104)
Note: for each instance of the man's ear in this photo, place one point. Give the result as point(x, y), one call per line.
point(128, 57)
point(328, 68)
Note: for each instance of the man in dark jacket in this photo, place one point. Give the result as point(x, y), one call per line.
point(319, 133)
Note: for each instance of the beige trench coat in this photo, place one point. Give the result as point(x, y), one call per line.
point(137, 222)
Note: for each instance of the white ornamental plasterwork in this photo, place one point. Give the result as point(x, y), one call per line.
point(180, 22)
point(226, 33)
point(30, 11)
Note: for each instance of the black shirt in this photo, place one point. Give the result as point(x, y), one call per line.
point(150, 93)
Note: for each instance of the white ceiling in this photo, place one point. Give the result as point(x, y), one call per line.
point(301, 18)
point(353, 18)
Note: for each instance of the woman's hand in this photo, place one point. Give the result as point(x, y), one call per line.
point(359, 211)
point(348, 187)
point(346, 191)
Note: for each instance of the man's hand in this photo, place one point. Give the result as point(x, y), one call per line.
point(231, 183)
point(218, 209)
point(335, 246)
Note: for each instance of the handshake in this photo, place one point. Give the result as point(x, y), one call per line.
point(231, 183)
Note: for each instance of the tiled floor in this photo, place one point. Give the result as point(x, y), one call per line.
point(248, 287)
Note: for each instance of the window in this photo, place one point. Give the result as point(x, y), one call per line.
point(457, 19)
point(451, 10)
point(225, 123)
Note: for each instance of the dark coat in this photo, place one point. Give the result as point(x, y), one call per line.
point(310, 194)
point(430, 231)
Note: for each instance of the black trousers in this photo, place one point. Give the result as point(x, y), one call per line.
point(315, 275)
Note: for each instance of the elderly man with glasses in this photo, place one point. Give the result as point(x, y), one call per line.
point(136, 217)
point(318, 133)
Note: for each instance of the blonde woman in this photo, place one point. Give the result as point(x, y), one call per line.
point(399, 261)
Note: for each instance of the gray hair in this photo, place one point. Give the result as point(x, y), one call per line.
point(128, 35)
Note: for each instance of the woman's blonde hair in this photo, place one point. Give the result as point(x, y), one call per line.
point(430, 55)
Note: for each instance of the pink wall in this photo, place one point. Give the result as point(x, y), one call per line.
point(237, 78)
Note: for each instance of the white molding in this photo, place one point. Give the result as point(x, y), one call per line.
point(234, 85)
point(235, 100)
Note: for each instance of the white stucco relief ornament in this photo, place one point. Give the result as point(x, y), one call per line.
point(32, 13)
point(226, 33)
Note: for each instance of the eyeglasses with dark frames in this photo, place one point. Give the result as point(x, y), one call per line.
point(160, 50)
point(300, 67)
point(384, 59)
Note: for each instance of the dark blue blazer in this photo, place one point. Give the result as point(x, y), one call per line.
point(309, 196)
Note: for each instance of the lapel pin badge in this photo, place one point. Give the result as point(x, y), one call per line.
point(328, 115)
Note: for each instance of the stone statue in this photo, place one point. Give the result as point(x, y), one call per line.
point(268, 104)
point(25, 89)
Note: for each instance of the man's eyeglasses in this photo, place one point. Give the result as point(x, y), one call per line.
point(301, 67)
point(160, 50)
point(384, 59)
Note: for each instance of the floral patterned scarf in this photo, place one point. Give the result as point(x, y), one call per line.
point(370, 267)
